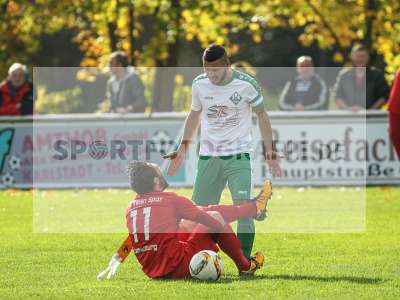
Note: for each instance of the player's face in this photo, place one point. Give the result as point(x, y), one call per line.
point(360, 58)
point(217, 70)
point(163, 182)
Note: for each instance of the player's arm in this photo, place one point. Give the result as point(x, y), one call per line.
point(270, 154)
point(122, 253)
point(125, 249)
point(256, 101)
point(177, 157)
point(192, 123)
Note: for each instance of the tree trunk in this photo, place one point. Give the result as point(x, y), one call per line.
point(131, 32)
point(112, 28)
point(370, 12)
point(111, 35)
point(163, 89)
point(164, 82)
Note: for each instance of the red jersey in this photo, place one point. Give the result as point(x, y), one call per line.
point(394, 99)
point(153, 223)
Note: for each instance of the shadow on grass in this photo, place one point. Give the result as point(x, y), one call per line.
point(352, 279)
point(232, 278)
point(224, 279)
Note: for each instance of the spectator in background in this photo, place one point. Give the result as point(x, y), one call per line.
point(16, 92)
point(362, 86)
point(125, 90)
point(305, 92)
point(394, 113)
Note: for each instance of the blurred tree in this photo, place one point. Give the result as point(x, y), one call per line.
point(153, 31)
point(336, 25)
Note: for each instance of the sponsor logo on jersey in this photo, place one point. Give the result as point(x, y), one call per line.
point(147, 200)
point(208, 97)
point(235, 98)
point(223, 116)
point(243, 192)
point(145, 249)
point(217, 111)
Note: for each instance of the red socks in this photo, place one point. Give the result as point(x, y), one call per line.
point(230, 244)
point(234, 212)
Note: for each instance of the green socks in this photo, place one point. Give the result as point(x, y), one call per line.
point(245, 233)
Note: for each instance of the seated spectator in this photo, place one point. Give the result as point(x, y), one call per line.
point(16, 92)
point(362, 86)
point(305, 92)
point(125, 90)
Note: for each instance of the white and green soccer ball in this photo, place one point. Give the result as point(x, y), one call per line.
point(206, 265)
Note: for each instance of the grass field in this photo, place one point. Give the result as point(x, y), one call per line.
point(363, 265)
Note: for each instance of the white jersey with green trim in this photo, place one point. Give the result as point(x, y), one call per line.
point(226, 113)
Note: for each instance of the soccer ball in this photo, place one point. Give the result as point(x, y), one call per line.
point(7, 179)
point(14, 163)
point(161, 141)
point(98, 149)
point(206, 265)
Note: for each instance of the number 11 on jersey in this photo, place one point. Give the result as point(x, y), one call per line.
point(146, 224)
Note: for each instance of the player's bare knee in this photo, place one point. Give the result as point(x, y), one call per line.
point(216, 215)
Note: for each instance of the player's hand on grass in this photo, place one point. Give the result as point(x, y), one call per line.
point(110, 271)
point(177, 158)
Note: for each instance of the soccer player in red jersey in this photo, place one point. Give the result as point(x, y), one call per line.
point(394, 113)
point(164, 244)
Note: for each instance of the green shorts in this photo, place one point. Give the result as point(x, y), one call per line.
point(213, 172)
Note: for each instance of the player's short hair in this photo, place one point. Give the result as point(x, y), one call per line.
point(214, 52)
point(359, 48)
point(141, 176)
point(120, 57)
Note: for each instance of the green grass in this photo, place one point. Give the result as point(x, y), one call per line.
point(364, 265)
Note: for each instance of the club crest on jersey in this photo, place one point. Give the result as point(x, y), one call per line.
point(235, 98)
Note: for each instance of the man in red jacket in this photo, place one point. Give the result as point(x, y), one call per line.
point(16, 93)
point(394, 113)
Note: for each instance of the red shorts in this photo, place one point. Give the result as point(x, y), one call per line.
point(192, 243)
point(394, 131)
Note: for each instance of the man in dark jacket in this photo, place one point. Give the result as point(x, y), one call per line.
point(305, 92)
point(362, 86)
point(125, 90)
point(16, 93)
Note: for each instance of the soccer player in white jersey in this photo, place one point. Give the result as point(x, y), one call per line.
point(223, 100)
